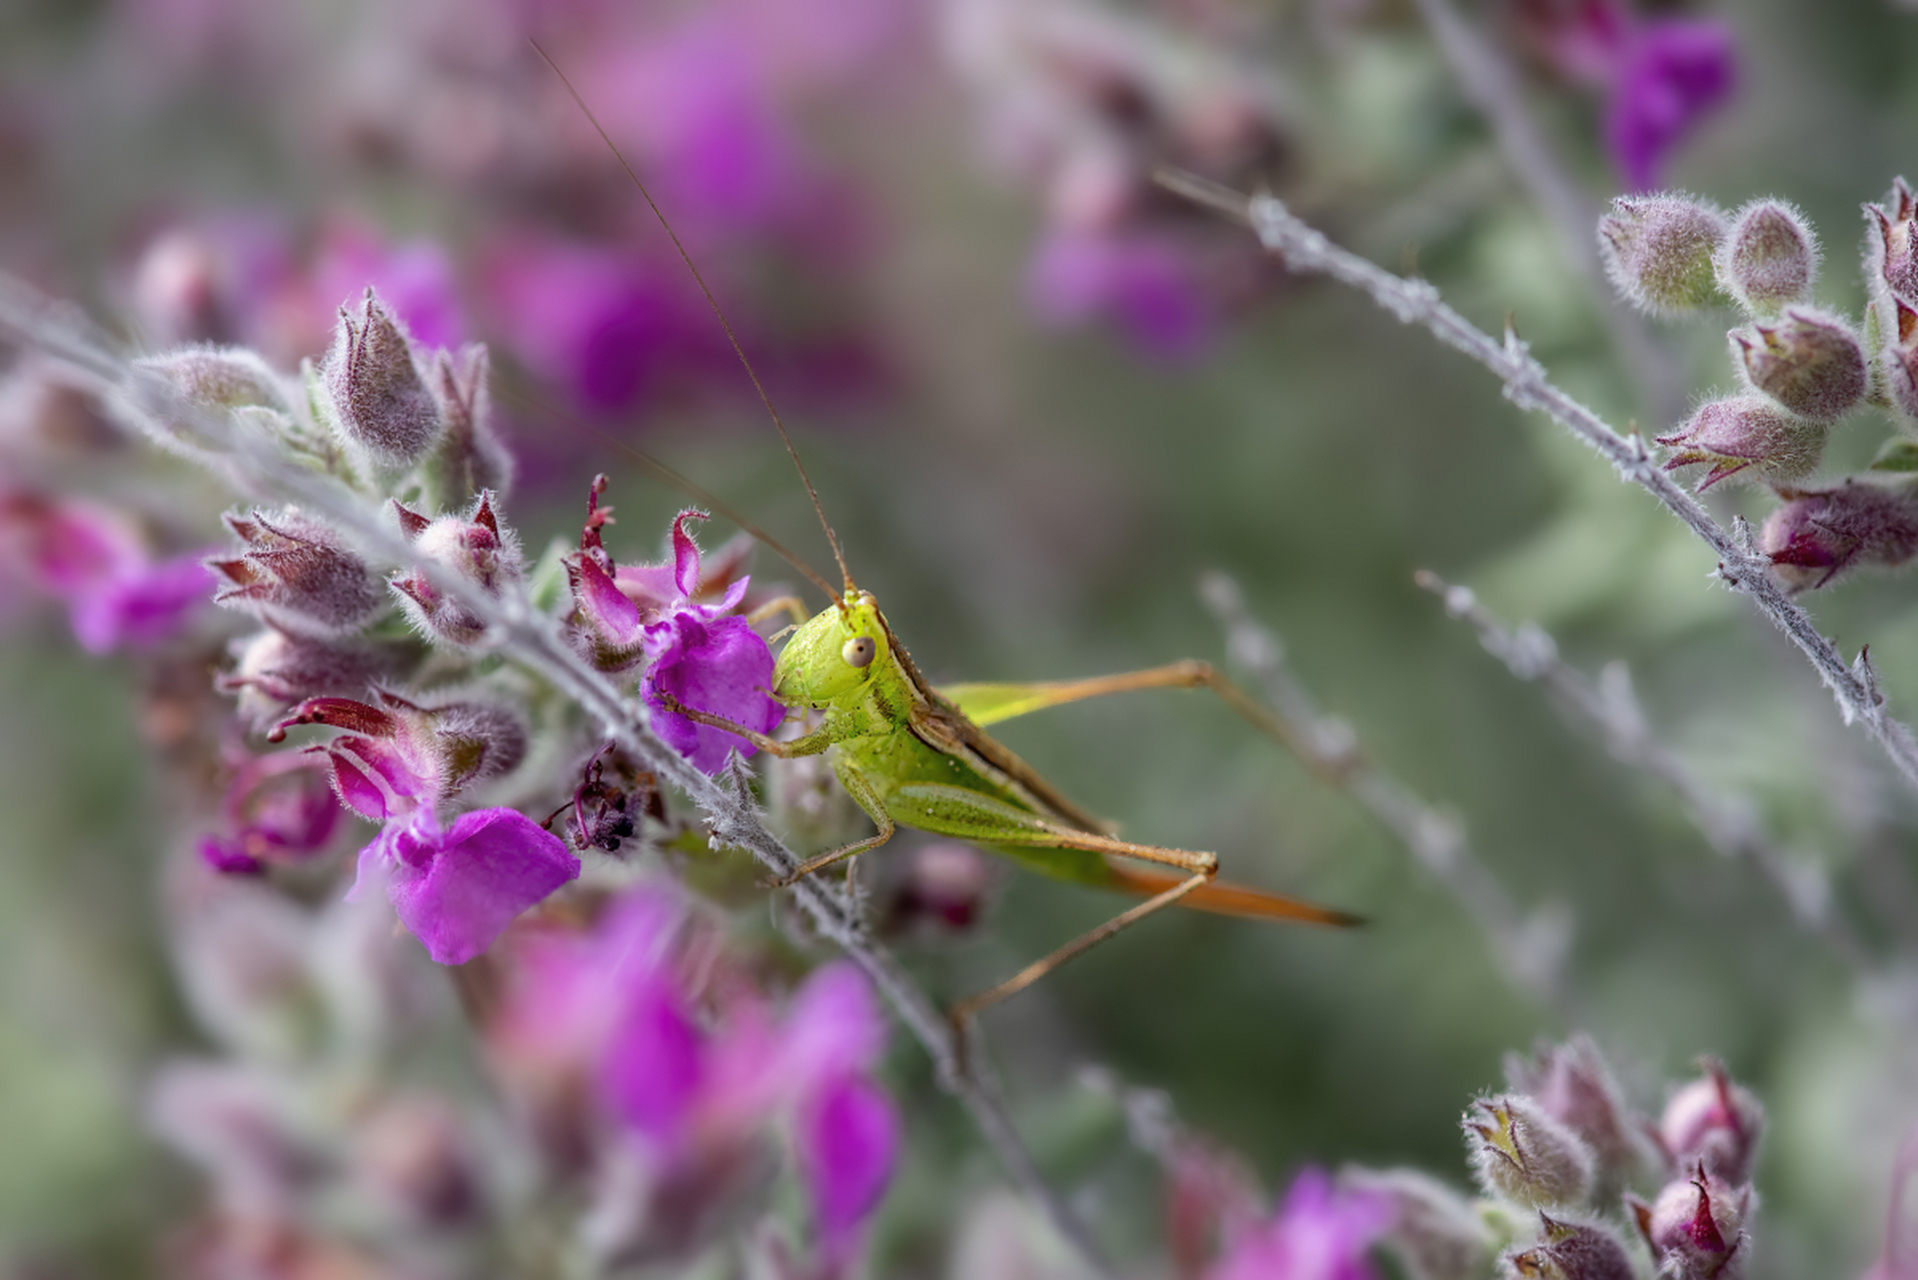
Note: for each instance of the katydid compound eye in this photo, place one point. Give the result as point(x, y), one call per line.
point(858, 651)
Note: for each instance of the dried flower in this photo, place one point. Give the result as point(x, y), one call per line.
point(1810, 362)
point(1695, 1229)
point(1573, 1251)
point(1520, 1152)
point(1714, 1121)
point(1658, 251)
point(1819, 533)
point(297, 575)
point(1749, 437)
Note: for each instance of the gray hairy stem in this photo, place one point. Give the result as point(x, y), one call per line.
point(252, 465)
point(1741, 565)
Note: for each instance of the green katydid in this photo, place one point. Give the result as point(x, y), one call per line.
point(912, 755)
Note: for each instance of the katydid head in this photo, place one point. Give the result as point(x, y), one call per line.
point(834, 653)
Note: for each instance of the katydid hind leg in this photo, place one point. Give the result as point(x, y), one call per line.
point(867, 799)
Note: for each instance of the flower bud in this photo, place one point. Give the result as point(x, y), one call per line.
point(296, 575)
point(1770, 258)
point(1810, 362)
point(475, 547)
point(1435, 1233)
point(1746, 436)
point(470, 458)
point(1891, 257)
point(1521, 1153)
point(1696, 1228)
point(1714, 1121)
point(1573, 1084)
point(220, 377)
point(379, 401)
point(1898, 357)
point(275, 669)
point(1658, 251)
point(1819, 533)
point(1573, 1251)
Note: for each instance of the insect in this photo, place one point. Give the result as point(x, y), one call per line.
point(917, 756)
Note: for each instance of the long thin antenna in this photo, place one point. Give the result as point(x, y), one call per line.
point(712, 302)
point(690, 488)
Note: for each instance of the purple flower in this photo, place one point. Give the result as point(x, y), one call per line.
point(1141, 281)
point(416, 279)
point(847, 1138)
point(456, 889)
point(278, 808)
point(1672, 74)
point(701, 654)
point(91, 559)
point(1321, 1232)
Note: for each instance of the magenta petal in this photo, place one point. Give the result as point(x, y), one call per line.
point(228, 858)
point(457, 889)
point(356, 790)
point(606, 607)
point(142, 606)
point(834, 1029)
point(1673, 75)
point(720, 666)
point(686, 555)
point(1319, 1233)
point(655, 1060)
point(848, 1141)
point(651, 586)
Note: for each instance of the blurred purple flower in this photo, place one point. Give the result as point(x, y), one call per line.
point(90, 559)
point(607, 327)
point(415, 279)
point(456, 889)
point(278, 808)
point(1899, 1258)
point(847, 1139)
point(1142, 281)
point(1671, 74)
point(1321, 1232)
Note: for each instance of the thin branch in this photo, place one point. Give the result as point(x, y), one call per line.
point(1740, 563)
point(1488, 83)
point(252, 464)
point(1529, 950)
point(1609, 705)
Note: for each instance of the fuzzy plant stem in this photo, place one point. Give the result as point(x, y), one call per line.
point(1488, 83)
point(532, 639)
point(1529, 951)
point(1740, 563)
point(1609, 705)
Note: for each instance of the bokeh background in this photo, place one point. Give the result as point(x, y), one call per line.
point(1038, 402)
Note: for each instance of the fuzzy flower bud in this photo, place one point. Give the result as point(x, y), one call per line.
point(1696, 1228)
point(1435, 1233)
point(1770, 259)
point(476, 547)
point(1521, 1153)
point(471, 458)
point(379, 401)
point(1714, 1121)
point(274, 669)
point(1810, 362)
point(1891, 256)
point(296, 575)
point(1819, 533)
point(220, 377)
point(1573, 1251)
point(1898, 355)
point(1573, 1084)
point(1746, 436)
point(1658, 251)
